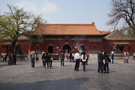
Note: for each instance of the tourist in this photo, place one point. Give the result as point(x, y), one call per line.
point(33, 59)
point(43, 59)
point(36, 55)
point(43, 53)
point(4, 57)
point(84, 58)
point(47, 58)
point(31, 56)
point(112, 57)
point(100, 61)
point(134, 55)
point(70, 56)
point(51, 60)
point(106, 65)
point(77, 61)
point(67, 55)
point(62, 57)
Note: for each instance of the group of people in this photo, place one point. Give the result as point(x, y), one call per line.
point(33, 57)
point(46, 59)
point(12, 58)
point(103, 61)
point(4, 56)
point(69, 56)
point(78, 57)
point(81, 57)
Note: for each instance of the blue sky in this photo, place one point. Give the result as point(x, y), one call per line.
point(66, 11)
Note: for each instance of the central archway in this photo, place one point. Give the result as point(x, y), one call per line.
point(50, 49)
point(66, 48)
point(82, 48)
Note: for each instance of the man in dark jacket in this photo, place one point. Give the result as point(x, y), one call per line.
point(47, 58)
point(100, 61)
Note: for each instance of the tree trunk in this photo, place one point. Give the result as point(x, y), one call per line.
point(12, 46)
point(11, 51)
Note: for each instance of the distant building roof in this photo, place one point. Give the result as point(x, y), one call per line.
point(68, 29)
point(117, 35)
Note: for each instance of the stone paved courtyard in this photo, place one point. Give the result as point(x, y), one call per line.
point(23, 77)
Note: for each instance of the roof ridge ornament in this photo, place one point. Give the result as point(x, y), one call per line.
point(93, 23)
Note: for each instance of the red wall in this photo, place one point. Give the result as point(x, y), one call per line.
point(108, 46)
point(132, 46)
point(60, 43)
point(105, 45)
point(25, 46)
point(2, 50)
point(95, 46)
point(43, 46)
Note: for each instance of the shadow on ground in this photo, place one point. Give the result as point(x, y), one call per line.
point(61, 84)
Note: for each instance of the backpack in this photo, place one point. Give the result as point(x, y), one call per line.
point(62, 56)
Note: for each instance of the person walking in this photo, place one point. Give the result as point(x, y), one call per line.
point(112, 57)
point(4, 57)
point(84, 59)
point(77, 61)
point(100, 61)
point(43, 59)
point(62, 57)
point(106, 65)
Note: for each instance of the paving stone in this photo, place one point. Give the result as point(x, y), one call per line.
point(23, 77)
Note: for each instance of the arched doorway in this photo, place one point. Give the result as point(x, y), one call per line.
point(66, 48)
point(50, 49)
point(82, 48)
point(119, 48)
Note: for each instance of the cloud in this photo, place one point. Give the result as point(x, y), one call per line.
point(29, 6)
point(46, 7)
point(49, 7)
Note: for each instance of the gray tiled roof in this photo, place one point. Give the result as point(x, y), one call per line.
point(116, 34)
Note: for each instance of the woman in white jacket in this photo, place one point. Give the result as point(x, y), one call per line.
point(84, 58)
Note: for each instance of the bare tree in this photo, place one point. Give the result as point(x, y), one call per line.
point(123, 9)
